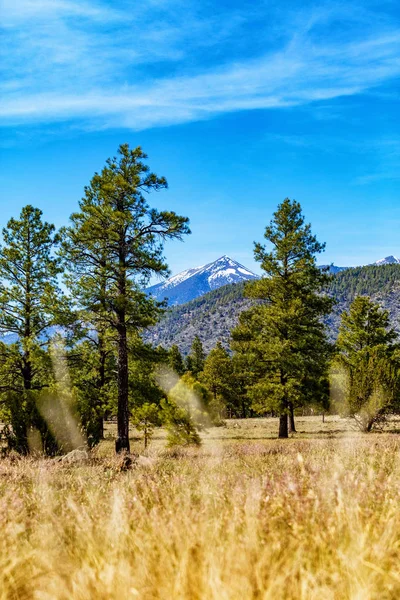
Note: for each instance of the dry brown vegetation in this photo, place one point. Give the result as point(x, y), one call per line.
point(244, 516)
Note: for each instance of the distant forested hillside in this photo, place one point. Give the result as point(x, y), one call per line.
point(365, 281)
point(213, 315)
point(381, 283)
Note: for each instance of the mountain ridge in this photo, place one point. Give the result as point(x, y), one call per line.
point(197, 281)
point(192, 283)
point(213, 315)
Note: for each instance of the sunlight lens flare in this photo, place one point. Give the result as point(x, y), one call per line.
point(182, 395)
point(55, 405)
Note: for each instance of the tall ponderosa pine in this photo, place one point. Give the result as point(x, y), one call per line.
point(370, 359)
point(284, 333)
point(92, 361)
point(118, 237)
point(30, 304)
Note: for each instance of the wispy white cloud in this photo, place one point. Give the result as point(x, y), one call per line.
point(119, 65)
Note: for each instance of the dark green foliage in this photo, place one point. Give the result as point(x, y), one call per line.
point(145, 418)
point(188, 363)
point(31, 303)
point(218, 377)
point(364, 281)
point(240, 404)
point(116, 241)
point(364, 326)
point(180, 427)
point(144, 362)
point(367, 367)
point(24, 420)
point(196, 358)
point(92, 371)
point(175, 360)
point(185, 411)
point(283, 336)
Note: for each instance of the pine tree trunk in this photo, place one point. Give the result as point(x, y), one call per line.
point(283, 417)
point(21, 431)
point(102, 382)
point(102, 354)
point(244, 412)
point(99, 427)
point(323, 417)
point(292, 426)
point(27, 371)
point(283, 426)
point(122, 442)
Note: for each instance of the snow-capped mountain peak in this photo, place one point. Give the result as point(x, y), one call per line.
point(388, 260)
point(195, 282)
point(191, 283)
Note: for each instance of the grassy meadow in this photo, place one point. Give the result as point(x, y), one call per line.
point(244, 516)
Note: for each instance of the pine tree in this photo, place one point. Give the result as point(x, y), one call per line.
point(144, 365)
point(243, 378)
point(217, 375)
point(283, 333)
point(188, 364)
point(92, 369)
point(145, 418)
point(185, 411)
point(197, 357)
point(92, 362)
point(31, 303)
point(175, 360)
point(116, 236)
point(364, 326)
point(369, 360)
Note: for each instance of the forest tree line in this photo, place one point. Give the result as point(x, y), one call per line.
point(76, 303)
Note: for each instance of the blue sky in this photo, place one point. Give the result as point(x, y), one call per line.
point(238, 104)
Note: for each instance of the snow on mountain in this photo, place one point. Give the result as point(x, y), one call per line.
point(190, 284)
point(389, 260)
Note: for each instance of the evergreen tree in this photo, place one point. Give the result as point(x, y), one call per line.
point(92, 369)
point(175, 360)
point(239, 405)
point(92, 361)
point(188, 364)
point(117, 237)
point(364, 326)
point(283, 333)
point(197, 357)
point(31, 303)
point(145, 418)
point(144, 364)
point(217, 375)
point(185, 411)
point(370, 362)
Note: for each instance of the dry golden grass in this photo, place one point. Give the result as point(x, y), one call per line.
point(236, 519)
